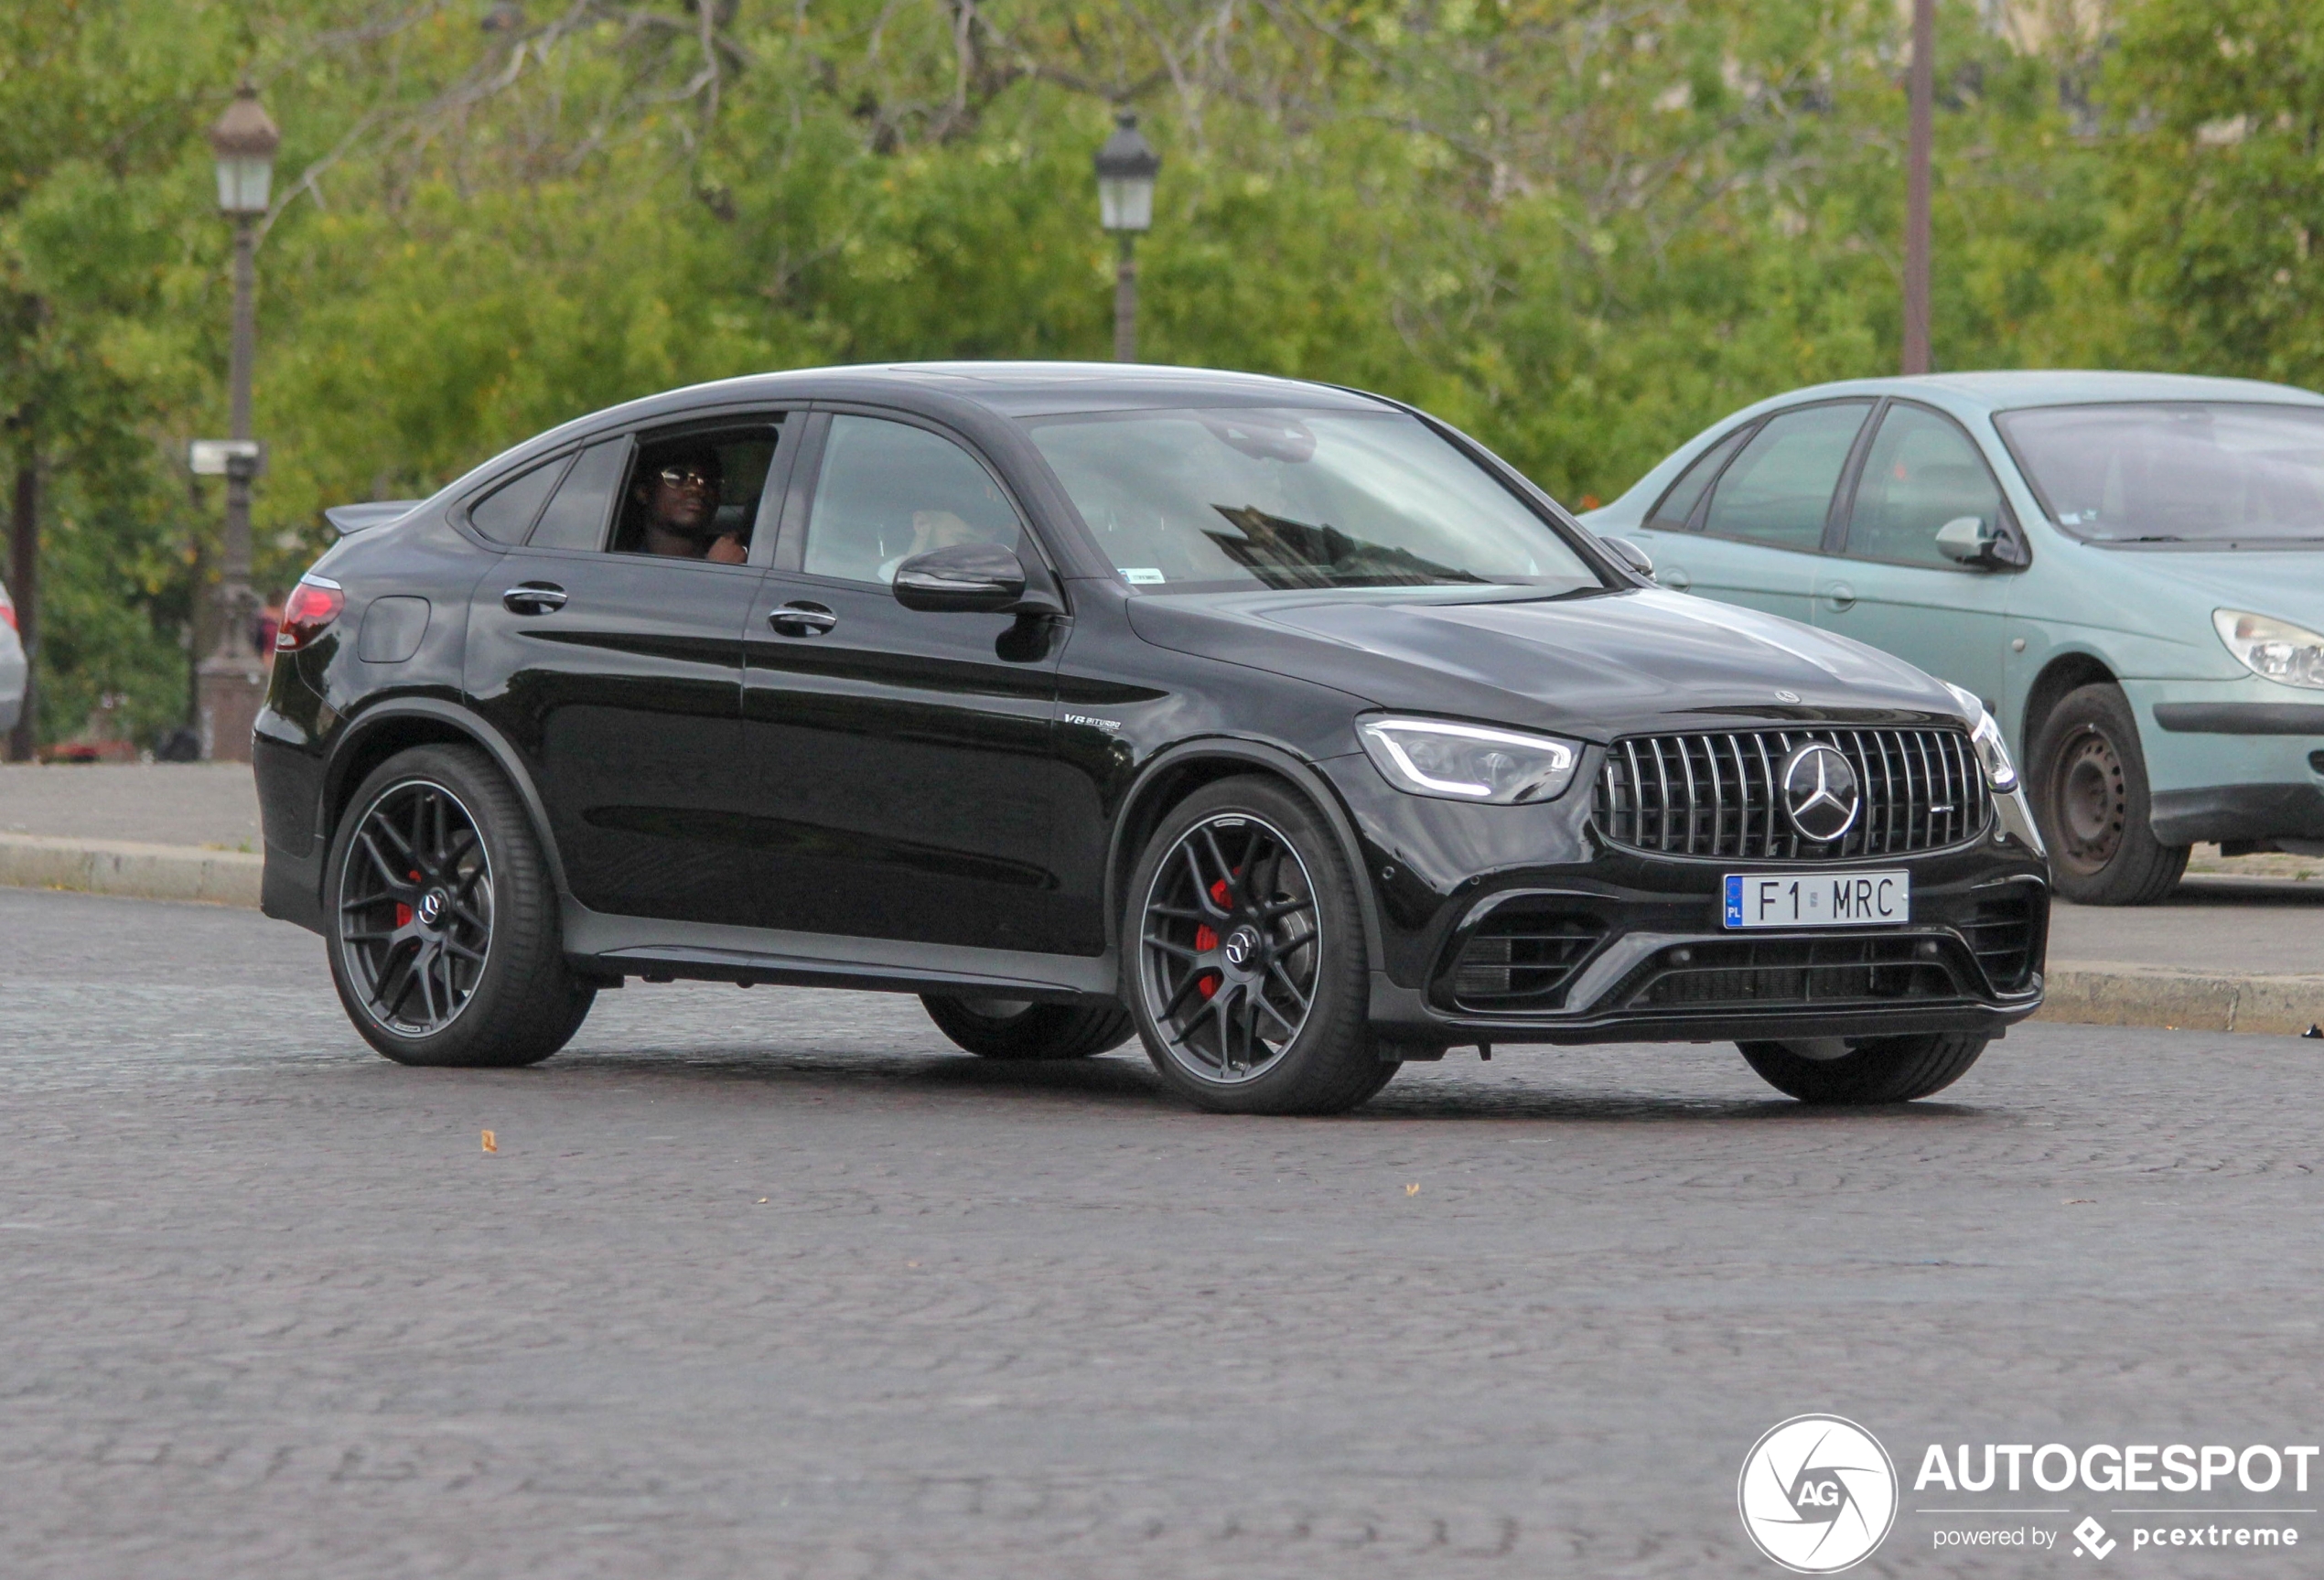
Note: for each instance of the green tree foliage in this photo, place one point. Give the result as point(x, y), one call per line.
point(1581, 227)
point(2220, 185)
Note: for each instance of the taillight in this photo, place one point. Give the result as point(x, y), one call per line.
point(8, 614)
point(314, 604)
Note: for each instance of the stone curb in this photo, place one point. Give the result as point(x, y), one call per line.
point(2121, 993)
point(126, 867)
point(2086, 992)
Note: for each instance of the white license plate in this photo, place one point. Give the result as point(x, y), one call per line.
point(1825, 900)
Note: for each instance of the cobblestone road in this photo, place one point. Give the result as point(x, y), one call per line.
point(774, 1284)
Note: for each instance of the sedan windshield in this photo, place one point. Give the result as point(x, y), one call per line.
point(2177, 472)
point(1221, 500)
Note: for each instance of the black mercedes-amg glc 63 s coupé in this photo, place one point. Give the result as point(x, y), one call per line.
point(1280, 725)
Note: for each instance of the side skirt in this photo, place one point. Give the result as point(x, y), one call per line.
point(611, 946)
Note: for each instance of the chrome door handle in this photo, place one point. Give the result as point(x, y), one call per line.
point(534, 598)
point(802, 619)
point(1841, 595)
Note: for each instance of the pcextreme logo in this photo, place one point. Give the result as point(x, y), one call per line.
point(1817, 1494)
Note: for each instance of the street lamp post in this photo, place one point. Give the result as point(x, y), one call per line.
point(1126, 166)
point(231, 678)
point(1921, 91)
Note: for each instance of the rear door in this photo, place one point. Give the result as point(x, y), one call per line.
point(1762, 524)
point(618, 674)
point(1889, 585)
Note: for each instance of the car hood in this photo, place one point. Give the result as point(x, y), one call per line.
point(1594, 667)
point(2285, 583)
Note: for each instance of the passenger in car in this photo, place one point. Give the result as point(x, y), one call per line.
point(678, 498)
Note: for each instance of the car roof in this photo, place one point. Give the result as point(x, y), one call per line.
point(2005, 390)
point(1024, 389)
point(1006, 389)
point(1970, 396)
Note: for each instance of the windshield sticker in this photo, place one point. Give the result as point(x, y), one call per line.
point(1142, 576)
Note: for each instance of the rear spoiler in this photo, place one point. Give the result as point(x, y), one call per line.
point(362, 518)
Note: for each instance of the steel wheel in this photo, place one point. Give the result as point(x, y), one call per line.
point(2093, 800)
point(415, 909)
point(1228, 949)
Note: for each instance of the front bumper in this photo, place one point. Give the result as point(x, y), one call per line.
point(1589, 942)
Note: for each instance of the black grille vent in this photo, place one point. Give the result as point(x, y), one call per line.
point(1714, 795)
point(1521, 956)
point(2001, 934)
point(1793, 971)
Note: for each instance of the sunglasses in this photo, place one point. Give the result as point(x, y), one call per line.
point(679, 477)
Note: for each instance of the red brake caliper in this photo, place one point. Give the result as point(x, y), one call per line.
point(1205, 939)
point(403, 911)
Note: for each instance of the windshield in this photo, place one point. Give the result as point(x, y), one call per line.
point(2175, 472)
point(1228, 500)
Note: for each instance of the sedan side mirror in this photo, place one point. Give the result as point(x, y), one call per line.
point(967, 578)
point(1967, 539)
point(1630, 555)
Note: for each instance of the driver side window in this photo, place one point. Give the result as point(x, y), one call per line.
point(889, 491)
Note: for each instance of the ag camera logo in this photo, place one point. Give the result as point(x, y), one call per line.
point(1818, 1494)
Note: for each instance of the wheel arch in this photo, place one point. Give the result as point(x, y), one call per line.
point(2067, 671)
point(1177, 773)
point(396, 726)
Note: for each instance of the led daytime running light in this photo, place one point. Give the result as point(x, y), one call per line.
point(1411, 754)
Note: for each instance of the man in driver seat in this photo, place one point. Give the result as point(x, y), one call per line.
point(678, 499)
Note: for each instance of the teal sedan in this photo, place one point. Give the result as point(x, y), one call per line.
point(2128, 568)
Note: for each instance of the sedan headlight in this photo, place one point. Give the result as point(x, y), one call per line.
point(1985, 736)
point(2272, 649)
point(1469, 762)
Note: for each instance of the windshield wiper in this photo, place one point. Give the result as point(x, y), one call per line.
point(2148, 538)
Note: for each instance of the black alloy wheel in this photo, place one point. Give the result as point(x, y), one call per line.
point(1247, 957)
point(1864, 1070)
point(415, 909)
point(2091, 796)
point(445, 944)
point(1020, 1030)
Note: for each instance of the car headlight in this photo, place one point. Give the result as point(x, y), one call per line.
point(2272, 649)
point(1469, 762)
point(1985, 738)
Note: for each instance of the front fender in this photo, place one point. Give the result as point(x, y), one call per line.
point(1190, 763)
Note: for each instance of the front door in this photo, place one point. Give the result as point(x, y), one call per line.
point(1891, 586)
point(902, 768)
point(619, 671)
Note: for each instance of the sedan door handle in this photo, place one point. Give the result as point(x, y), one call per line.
point(1840, 594)
point(802, 619)
point(534, 598)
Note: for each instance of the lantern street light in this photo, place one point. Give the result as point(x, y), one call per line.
point(230, 679)
point(1126, 166)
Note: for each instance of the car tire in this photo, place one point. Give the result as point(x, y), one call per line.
point(437, 832)
point(1873, 1068)
point(2091, 796)
point(1016, 1029)
point(1244, 886)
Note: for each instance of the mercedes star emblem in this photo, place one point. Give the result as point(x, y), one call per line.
point(1820, 793)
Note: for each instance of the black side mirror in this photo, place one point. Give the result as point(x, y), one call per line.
point(1630, 555)
point(968, 578)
